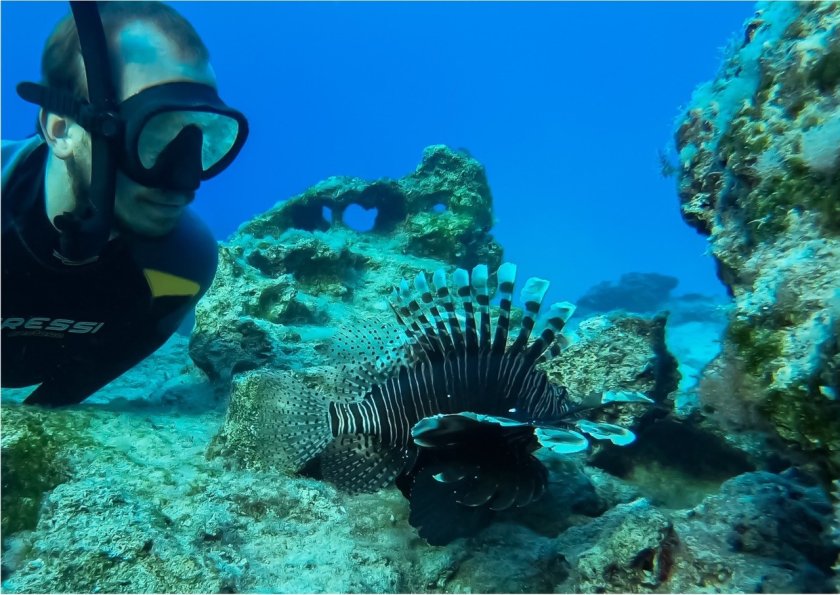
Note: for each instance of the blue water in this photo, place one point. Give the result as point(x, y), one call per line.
point(565, 104)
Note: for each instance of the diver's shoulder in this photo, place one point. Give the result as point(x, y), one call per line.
point(15, 151)
point(189, 251)
point(193, 241)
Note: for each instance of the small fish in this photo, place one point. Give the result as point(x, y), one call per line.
point(444, 404)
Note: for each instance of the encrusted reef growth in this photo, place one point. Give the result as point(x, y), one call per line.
point(288, 276)
point(759, 174)
point(34, 450)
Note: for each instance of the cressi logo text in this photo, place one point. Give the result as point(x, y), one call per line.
point(56, 325)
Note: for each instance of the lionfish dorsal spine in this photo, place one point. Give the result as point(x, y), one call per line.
point(444, 297)
point(531, 296)
point(400, 304)
point(461, 278)
point(506, 276)
point(482, 299)
point(422, 286)
point(558, 316)
point(556, 319)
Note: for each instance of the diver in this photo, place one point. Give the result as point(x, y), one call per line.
point(102, 258)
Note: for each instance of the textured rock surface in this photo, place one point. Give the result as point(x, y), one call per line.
point(618, 352)
point(33, 458)
point(289, 276)
point(762, 533)
point(759, 174)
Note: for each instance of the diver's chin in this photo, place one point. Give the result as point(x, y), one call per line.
point(149, 224)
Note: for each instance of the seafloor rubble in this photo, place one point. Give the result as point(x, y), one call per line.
point(159, 483)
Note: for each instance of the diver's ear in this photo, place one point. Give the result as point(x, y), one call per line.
point(57, 131)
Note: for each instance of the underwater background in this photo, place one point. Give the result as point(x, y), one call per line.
point(566, 105)
point(479, 133)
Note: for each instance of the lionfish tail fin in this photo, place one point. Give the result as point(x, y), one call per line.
point(296, 419)
point(358, 463)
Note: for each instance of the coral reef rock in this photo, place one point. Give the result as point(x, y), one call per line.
point(289, 276)
point(618, 352)
point(762, 533)
point(759, 174)
point(34, 445)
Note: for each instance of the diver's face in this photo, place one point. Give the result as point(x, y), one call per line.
point(145, 58)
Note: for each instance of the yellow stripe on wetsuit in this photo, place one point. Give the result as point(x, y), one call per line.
point(164, 284)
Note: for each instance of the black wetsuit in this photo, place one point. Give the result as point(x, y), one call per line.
point(73, 329)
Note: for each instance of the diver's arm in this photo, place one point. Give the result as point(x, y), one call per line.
point(73, 384)
point(79, 380)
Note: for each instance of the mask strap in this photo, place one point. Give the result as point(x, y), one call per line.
point(85, 230)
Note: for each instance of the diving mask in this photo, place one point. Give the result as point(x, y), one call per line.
point(170, 136)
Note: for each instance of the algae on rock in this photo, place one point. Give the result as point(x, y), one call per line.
point(760, 175)
point(35, 445)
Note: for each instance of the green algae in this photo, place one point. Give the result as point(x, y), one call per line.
point(798, 188)
point(808, 419)
point(35, 445)
point(826, 73)
point(758, 345)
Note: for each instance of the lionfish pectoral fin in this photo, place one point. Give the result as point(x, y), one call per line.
point(625, 396)
point(506, 492)
point(481, 491)
point(562, 441)
point(603, 431)
point(361, 463)
point(453, 429)
point(436, 514)
point(296, 418)
point(532, 481)
point(452, 471)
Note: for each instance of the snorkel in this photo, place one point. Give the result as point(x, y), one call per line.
point(84, 230)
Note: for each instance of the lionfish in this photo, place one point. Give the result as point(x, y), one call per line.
point(444, 405)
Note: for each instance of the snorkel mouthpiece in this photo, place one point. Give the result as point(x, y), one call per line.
point(179, 165)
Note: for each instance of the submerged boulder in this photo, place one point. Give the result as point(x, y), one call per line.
point(290, 275)
point(636, 292)
point(759, 174)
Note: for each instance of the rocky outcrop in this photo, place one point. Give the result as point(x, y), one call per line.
point(618, 352)
point(759, 173)
point(294, 273)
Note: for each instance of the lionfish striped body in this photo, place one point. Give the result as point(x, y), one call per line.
point(444, 405)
